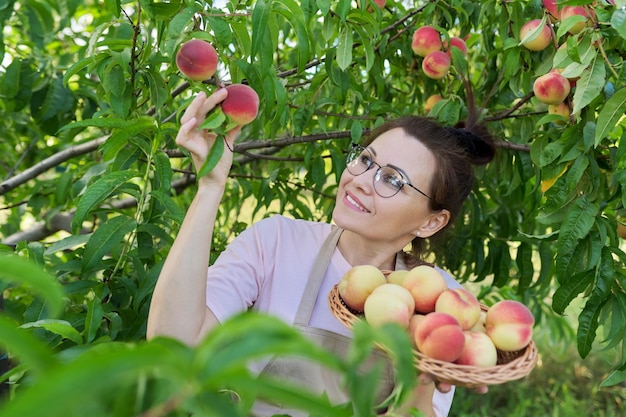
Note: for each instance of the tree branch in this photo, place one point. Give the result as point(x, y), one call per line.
point(50, 162)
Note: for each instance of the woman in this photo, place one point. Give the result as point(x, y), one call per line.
point(405, 185)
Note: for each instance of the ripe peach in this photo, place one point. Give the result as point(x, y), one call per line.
point(540, 41)
point(478, 350)
point(388, 306)
point(358, 283)
point(241, 105)
point(399, 292)
point(458, 43)
point(426, 39)
point(570, 11)
point(561, 109)
point(436, 65)
point(425, 283)
point(460, 304)
point(439, 336)
point(551, 88)
point(479, 326)
point(197, 59)
point(431, 101)
point(553, 10)
point(509, 324)
point(396, 277)
point(380, 3)
point(413, 322)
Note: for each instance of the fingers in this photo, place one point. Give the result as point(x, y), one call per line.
point(202, 104)
point(213, 100)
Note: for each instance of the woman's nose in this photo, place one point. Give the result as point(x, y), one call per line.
point(365, 181)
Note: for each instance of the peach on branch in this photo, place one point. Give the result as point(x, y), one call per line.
point(537, 41)
point(551, 88)
point(241, 105)
point(389, 303)
point(436, 65)
point(358, 283)
point(553, 10)
point(426, 39)
point(560, 109)
point(456, 42)
point(425, 283)
point(439, 336)
point(509, 324)
point(197, 59)
point(460, 304)
point(571, 11)
point(478, 350)
point(431, 101)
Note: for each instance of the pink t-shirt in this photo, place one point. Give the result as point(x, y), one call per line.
point(266, 269)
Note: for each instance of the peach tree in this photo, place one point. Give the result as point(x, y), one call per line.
point(94, 188)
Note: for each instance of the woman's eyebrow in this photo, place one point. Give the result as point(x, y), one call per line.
point(372, 150)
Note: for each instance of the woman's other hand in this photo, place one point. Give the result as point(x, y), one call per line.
point(199, 141)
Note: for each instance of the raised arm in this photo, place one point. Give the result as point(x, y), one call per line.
point(178, 308)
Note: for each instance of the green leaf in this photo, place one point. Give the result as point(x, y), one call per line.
point(59, 327)
point(104, 122)
point(97, 192)
point(70, 242)
point(92, 374)
point(20, 271)
point(293, 14)
point(260, 21)
point(588, 319)
point(214, 120)
point(614, 378)
point(93, 318)
point(120, 138)
point(572, 286)
point(590, 85)
point(580, 218)
point(342, 8)
point(618, 22)
point(214, 156)
point(612, 111)
point(104, 239)
point(28, 349)
point(344, 48)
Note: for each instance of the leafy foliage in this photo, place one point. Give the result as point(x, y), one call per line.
point(94, 187)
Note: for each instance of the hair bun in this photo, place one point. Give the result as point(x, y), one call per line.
point(479, 146)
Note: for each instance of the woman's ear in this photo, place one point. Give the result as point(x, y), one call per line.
point(433, 224)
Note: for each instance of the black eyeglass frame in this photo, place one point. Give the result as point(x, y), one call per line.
point(361, 149)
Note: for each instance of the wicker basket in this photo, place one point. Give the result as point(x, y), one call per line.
point(511, 365)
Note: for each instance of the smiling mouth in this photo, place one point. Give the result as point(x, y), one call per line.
point(356, 204)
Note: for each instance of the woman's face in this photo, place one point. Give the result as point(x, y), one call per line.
point(360, 209)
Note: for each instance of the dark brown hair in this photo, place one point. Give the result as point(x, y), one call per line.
point(456, 150)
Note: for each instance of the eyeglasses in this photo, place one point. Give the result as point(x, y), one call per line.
point(388, 181)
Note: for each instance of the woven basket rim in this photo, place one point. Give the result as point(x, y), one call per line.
point(518, 367)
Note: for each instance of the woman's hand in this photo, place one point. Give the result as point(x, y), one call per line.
point(446, 386)
point(199, 141)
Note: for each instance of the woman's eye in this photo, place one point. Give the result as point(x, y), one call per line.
point(365, 160)
point(392, 180)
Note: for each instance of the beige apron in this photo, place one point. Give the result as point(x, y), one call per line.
point(310, 375)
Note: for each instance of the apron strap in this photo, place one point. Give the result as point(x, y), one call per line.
point(316, 276)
